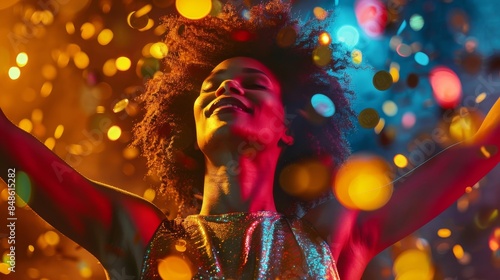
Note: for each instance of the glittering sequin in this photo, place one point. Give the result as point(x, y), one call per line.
point(259, 245)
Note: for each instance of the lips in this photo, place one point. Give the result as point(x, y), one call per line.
point(228, 102)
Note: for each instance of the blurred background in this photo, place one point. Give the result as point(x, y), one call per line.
point(424, 73)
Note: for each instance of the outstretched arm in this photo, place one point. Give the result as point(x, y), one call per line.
point(85, 211)
point(432, 187)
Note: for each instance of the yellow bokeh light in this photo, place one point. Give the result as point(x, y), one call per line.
point(363, 182)
point(51, 237)
point(400, 161)
point(85, 272)
point(193, 9)
point(130, 153)
point(395, 74)
point(4, 268)
point(50, 143)
point(105, 36)
point(59, 131)
point(14, 73)
point(307, 179)
point(174, 268)
point(123, 63)
point(357, 56)
point(49, 71)
point(324, 39)
point(458, 251)
point(494, 241)
point(413, 261)
point(87, 30)
point(81, 60)
point(109, 67)
point(149, 194)
point(444, 233)
point(390, 108)
point(37, 116)
point(114, 133)
point(22, 59)
point(463, 126)
point(70, 28)
point(158, 50)
point(320, 13)
point(73, 49)
point(148, 26)
point(481, 97)
point(26, 125)
point(381, 124)
point(46, 89)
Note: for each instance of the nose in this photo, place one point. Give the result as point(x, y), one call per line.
point(229, 87)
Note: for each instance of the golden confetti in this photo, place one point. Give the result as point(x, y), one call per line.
point(120, 105)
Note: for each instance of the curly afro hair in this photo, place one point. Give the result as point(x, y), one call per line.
point(166, 134)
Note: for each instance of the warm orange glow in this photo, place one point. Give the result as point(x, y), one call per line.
point(363, 182)
point(193, 9)
point(174, 268)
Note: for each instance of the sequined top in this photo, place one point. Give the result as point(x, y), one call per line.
point(259, 245)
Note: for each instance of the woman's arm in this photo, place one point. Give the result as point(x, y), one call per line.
point(85, 211)
point(432, 187)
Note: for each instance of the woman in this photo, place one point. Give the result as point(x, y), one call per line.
point(217, 123)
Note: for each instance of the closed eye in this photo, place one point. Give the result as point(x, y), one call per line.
point(255, 86)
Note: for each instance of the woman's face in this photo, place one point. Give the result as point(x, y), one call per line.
point(239, 105)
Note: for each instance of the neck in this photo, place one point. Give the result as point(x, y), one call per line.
point(235, 182)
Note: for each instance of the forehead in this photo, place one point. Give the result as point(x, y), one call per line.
point(242, 65)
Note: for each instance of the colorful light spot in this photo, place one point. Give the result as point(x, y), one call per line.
point(114, 133)
point(22, 59)
point(174, 268)
point(158, 50)
point(409, 119)
point(348, 35)
point(357, 56)
point(14, 73)
point(416, 22)
point(193, 9)
point(421, 58)
point(363, 182)
point(307, 179)
point(414, 263)
point(105, 37)
point(444, 233)
point(400, 161)
point(371, 16)
point(323, 105)
point(320, 13)
point(446, 86)
point(324, 39)
point(494, 240)
point(322, 55)
point(390, 108)
point(123, 63)
point(120, 105)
